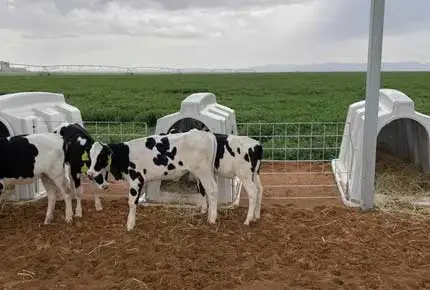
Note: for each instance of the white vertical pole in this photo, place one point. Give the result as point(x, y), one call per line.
point(373, 82)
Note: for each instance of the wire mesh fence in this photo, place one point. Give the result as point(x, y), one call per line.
point(297, 155)
point(318, 141)
point(114, 132)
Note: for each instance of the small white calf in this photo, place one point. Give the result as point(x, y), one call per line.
point(26, 158)
point(156, 158)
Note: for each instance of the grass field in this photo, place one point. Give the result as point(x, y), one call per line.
point(273, 97)
point(276, 97)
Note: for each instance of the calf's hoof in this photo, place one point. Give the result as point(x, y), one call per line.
point(78, 213)
point(68, 219)
point(48, 220)
point(130, 225)
point(98, 205)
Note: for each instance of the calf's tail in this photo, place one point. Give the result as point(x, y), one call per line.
point(258, 157)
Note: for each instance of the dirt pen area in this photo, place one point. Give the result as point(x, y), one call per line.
point(295, 245)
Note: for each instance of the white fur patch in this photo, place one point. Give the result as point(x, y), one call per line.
point(81, 141)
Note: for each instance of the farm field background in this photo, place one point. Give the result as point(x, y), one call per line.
point(270, 97)
point(255, 97)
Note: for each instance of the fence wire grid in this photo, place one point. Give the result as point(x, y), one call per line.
point(297, 155)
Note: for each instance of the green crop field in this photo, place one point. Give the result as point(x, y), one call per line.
point(255, 97)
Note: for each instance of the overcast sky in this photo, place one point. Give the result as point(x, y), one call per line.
point(207, 33)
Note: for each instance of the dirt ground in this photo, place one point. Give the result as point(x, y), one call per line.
point(295, 245)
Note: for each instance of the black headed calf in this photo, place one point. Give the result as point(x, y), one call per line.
point(77, 144)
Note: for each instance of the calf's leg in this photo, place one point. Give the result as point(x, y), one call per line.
point(252, 191)
point(60, 183)
point(51, 192)
point(203, 202)
point(136, 185)
point(259, 196)
point(97, 201)
point(77, 190)
point(210, 186)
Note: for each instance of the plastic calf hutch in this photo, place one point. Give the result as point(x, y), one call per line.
point(198, 111)
point(401, 131)
point(32, 112)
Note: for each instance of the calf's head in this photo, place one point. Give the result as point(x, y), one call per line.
point(100, 156)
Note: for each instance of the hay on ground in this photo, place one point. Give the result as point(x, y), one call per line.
point(400, 184)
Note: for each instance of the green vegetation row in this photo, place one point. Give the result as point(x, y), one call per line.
point(270, 97)
point(256, 98)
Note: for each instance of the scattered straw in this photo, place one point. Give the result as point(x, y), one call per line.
point(399, 184)
point(102, 245)
point(25, 273)
point(141, 284)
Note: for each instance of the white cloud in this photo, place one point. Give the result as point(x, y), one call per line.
point(204, 33)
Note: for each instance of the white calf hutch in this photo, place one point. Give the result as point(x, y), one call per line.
point(401, 131)
point(33, 112)
point(198, 110)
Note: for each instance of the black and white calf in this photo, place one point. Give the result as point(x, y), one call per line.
point(156, 158)
point(240, 156)
point(171, 156)
point(77, 144)
point(26, 158)
point(231, 165)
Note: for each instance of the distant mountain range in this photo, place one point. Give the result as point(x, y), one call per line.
point(337, 66)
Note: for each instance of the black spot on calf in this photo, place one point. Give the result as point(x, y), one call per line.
point(172, 154)
point(163, 147)
point(17, 157)
point(160, 160)
point(99, 179)
point(181, 163)
point(133, 174)
point(255, 155)
point(222, 144)
point(144, 171)
point(246, 157)
point(132, 165)
point(120, 160)
point(238, 150)
point(165, 173)
point(171, 166)
point(133, 192)
point(150, 143)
